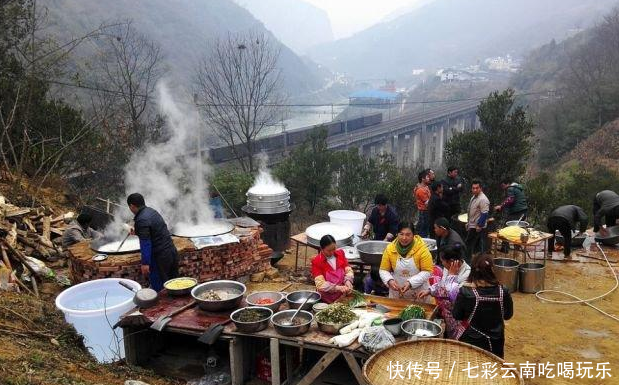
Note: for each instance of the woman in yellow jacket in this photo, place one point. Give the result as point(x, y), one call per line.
point(406, 265)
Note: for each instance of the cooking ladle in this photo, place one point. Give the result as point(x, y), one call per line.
point(123, 242)
point(289, 322)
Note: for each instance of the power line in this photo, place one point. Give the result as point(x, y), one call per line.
point(283, 105)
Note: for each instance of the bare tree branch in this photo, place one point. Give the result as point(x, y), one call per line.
point(239, 86)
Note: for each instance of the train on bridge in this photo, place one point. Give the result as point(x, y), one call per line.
point(294, 137)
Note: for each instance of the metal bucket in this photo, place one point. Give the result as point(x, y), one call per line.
point(506, 271)
point(531, 277)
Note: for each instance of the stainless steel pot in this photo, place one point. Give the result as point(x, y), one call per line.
point(215, 306)
point(371, 252)
point(260, 203)
point(523, 224)
point(273, 210)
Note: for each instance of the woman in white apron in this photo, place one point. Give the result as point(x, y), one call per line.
point(406, 265)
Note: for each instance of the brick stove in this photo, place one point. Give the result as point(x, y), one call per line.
point(231, 261)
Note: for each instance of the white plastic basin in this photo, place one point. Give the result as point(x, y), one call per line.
point(352, 219)
point(93, 308)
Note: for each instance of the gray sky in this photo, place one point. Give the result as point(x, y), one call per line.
point(350, 16)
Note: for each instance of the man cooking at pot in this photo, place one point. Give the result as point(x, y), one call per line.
point(564, 219)
point(514, 206)
point(159, 255)
point(406, 264)
point(383, 221)
point(333, 276)
point(515, 203)
point(605, 205)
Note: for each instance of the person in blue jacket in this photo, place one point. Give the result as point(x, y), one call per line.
point(159, 255)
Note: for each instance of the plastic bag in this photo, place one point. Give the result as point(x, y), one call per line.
point(376, 338)
point(587, 243)
point(40, 268)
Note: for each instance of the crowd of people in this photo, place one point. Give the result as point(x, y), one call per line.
point(460, 279)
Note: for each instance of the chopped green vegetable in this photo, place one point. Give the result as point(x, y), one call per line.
point(377, 322)
point(413, 312)
point(358, 299)
point(336, 313)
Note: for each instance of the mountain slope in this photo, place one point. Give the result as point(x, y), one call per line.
point(451, 32)
point(296, 23)
point(181, 27)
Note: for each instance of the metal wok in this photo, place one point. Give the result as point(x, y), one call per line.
point(109, 246)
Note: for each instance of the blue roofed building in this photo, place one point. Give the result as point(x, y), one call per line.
point(373, 98)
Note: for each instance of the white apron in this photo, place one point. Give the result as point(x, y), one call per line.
point(405, 268)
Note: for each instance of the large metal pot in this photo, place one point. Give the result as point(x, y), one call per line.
point(371, 252)
point(523, 224)
point(342, 234)
point(293, 330)
point(611, 239)
point(506, 271)
point(215, 306)
point(260, 202)
point(109, 246)
point(531, 277)
point(218, 227)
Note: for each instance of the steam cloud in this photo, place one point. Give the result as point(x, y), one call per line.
point(265, 183)
point(170, 175)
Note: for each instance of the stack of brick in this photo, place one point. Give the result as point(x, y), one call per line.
point(229, 261)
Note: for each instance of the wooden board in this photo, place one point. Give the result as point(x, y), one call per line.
point(193, 319)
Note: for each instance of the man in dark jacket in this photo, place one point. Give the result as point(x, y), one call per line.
point(79, 230)
point(452, 187)
point(564, 219)
point(437, 207)
point(446, 236)
point(606, 205)
point(159, 255)
point(383, 221)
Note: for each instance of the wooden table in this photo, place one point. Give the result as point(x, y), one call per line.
point(301, 239)
point(522, 246)
point(193, 322)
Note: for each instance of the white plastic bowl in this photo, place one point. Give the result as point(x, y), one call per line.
point(352, 219)
point(93, 308)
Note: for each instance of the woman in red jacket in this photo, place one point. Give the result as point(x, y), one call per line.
point(332, 275)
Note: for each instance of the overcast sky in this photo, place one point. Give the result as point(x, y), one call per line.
point(350, 16)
